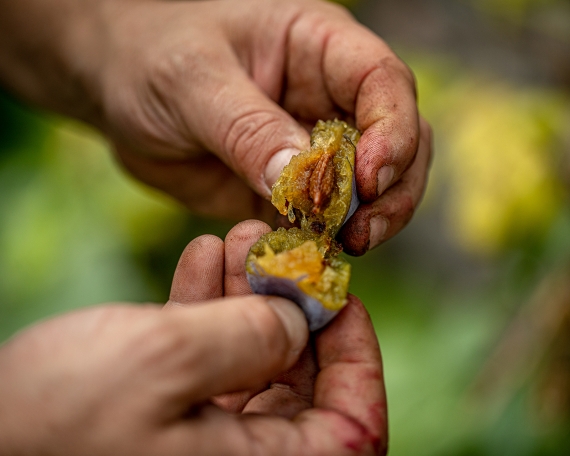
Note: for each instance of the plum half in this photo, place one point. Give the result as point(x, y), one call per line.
point(318, 188)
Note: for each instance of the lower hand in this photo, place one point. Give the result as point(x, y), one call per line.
point(133, 380)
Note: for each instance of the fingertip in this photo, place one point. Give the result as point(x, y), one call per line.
point(247, 232)
point(199, 273)
point(202, 243)
point(237, 244)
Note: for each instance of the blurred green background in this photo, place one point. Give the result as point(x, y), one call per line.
point(471, 302)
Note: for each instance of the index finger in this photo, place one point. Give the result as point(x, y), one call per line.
point(366, 78)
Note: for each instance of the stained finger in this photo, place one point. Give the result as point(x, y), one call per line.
point(376, 222)
point(307, 97)
point(313, 432)
point(349, 414)
point(366, 78)
point(199, 275)
point(237, 244)
point(351, 379)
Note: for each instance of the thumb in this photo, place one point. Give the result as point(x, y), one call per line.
point(232, 344)
point(251, 133)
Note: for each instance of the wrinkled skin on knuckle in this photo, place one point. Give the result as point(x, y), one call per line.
point(165, 72)
point(144, 107)
point(394, 69)
point(401, 68)
point(390, 80)
point(252, 131)
point(164, 88)
point(140, 122)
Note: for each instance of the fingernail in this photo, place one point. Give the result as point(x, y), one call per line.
point(276, 164)
point(385, 176)
point(378, 228)
point(294, 321)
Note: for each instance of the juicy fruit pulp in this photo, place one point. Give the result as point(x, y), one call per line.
point(305, 259)
point(318, 183)
point(317, 187)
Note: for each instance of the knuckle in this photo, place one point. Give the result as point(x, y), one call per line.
point(166, 71)
point(203, 245)
point(161, 119)
point(251, 131)
point(265, 325)
point(160, 340)
point(145, 113)
point(394, 68)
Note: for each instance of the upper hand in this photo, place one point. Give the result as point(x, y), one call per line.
point(245, 80)
point(140, 381)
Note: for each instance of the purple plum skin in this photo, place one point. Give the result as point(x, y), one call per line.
point(317, 316)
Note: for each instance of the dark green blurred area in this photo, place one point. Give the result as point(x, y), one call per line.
point(471, 302)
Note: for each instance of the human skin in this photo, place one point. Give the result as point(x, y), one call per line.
point(216, 371)
point(208, 100)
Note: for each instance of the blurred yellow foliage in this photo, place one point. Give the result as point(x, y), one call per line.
point(502, 156)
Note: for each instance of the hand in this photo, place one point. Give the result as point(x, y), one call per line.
point(168, 81)
point(136, 380)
